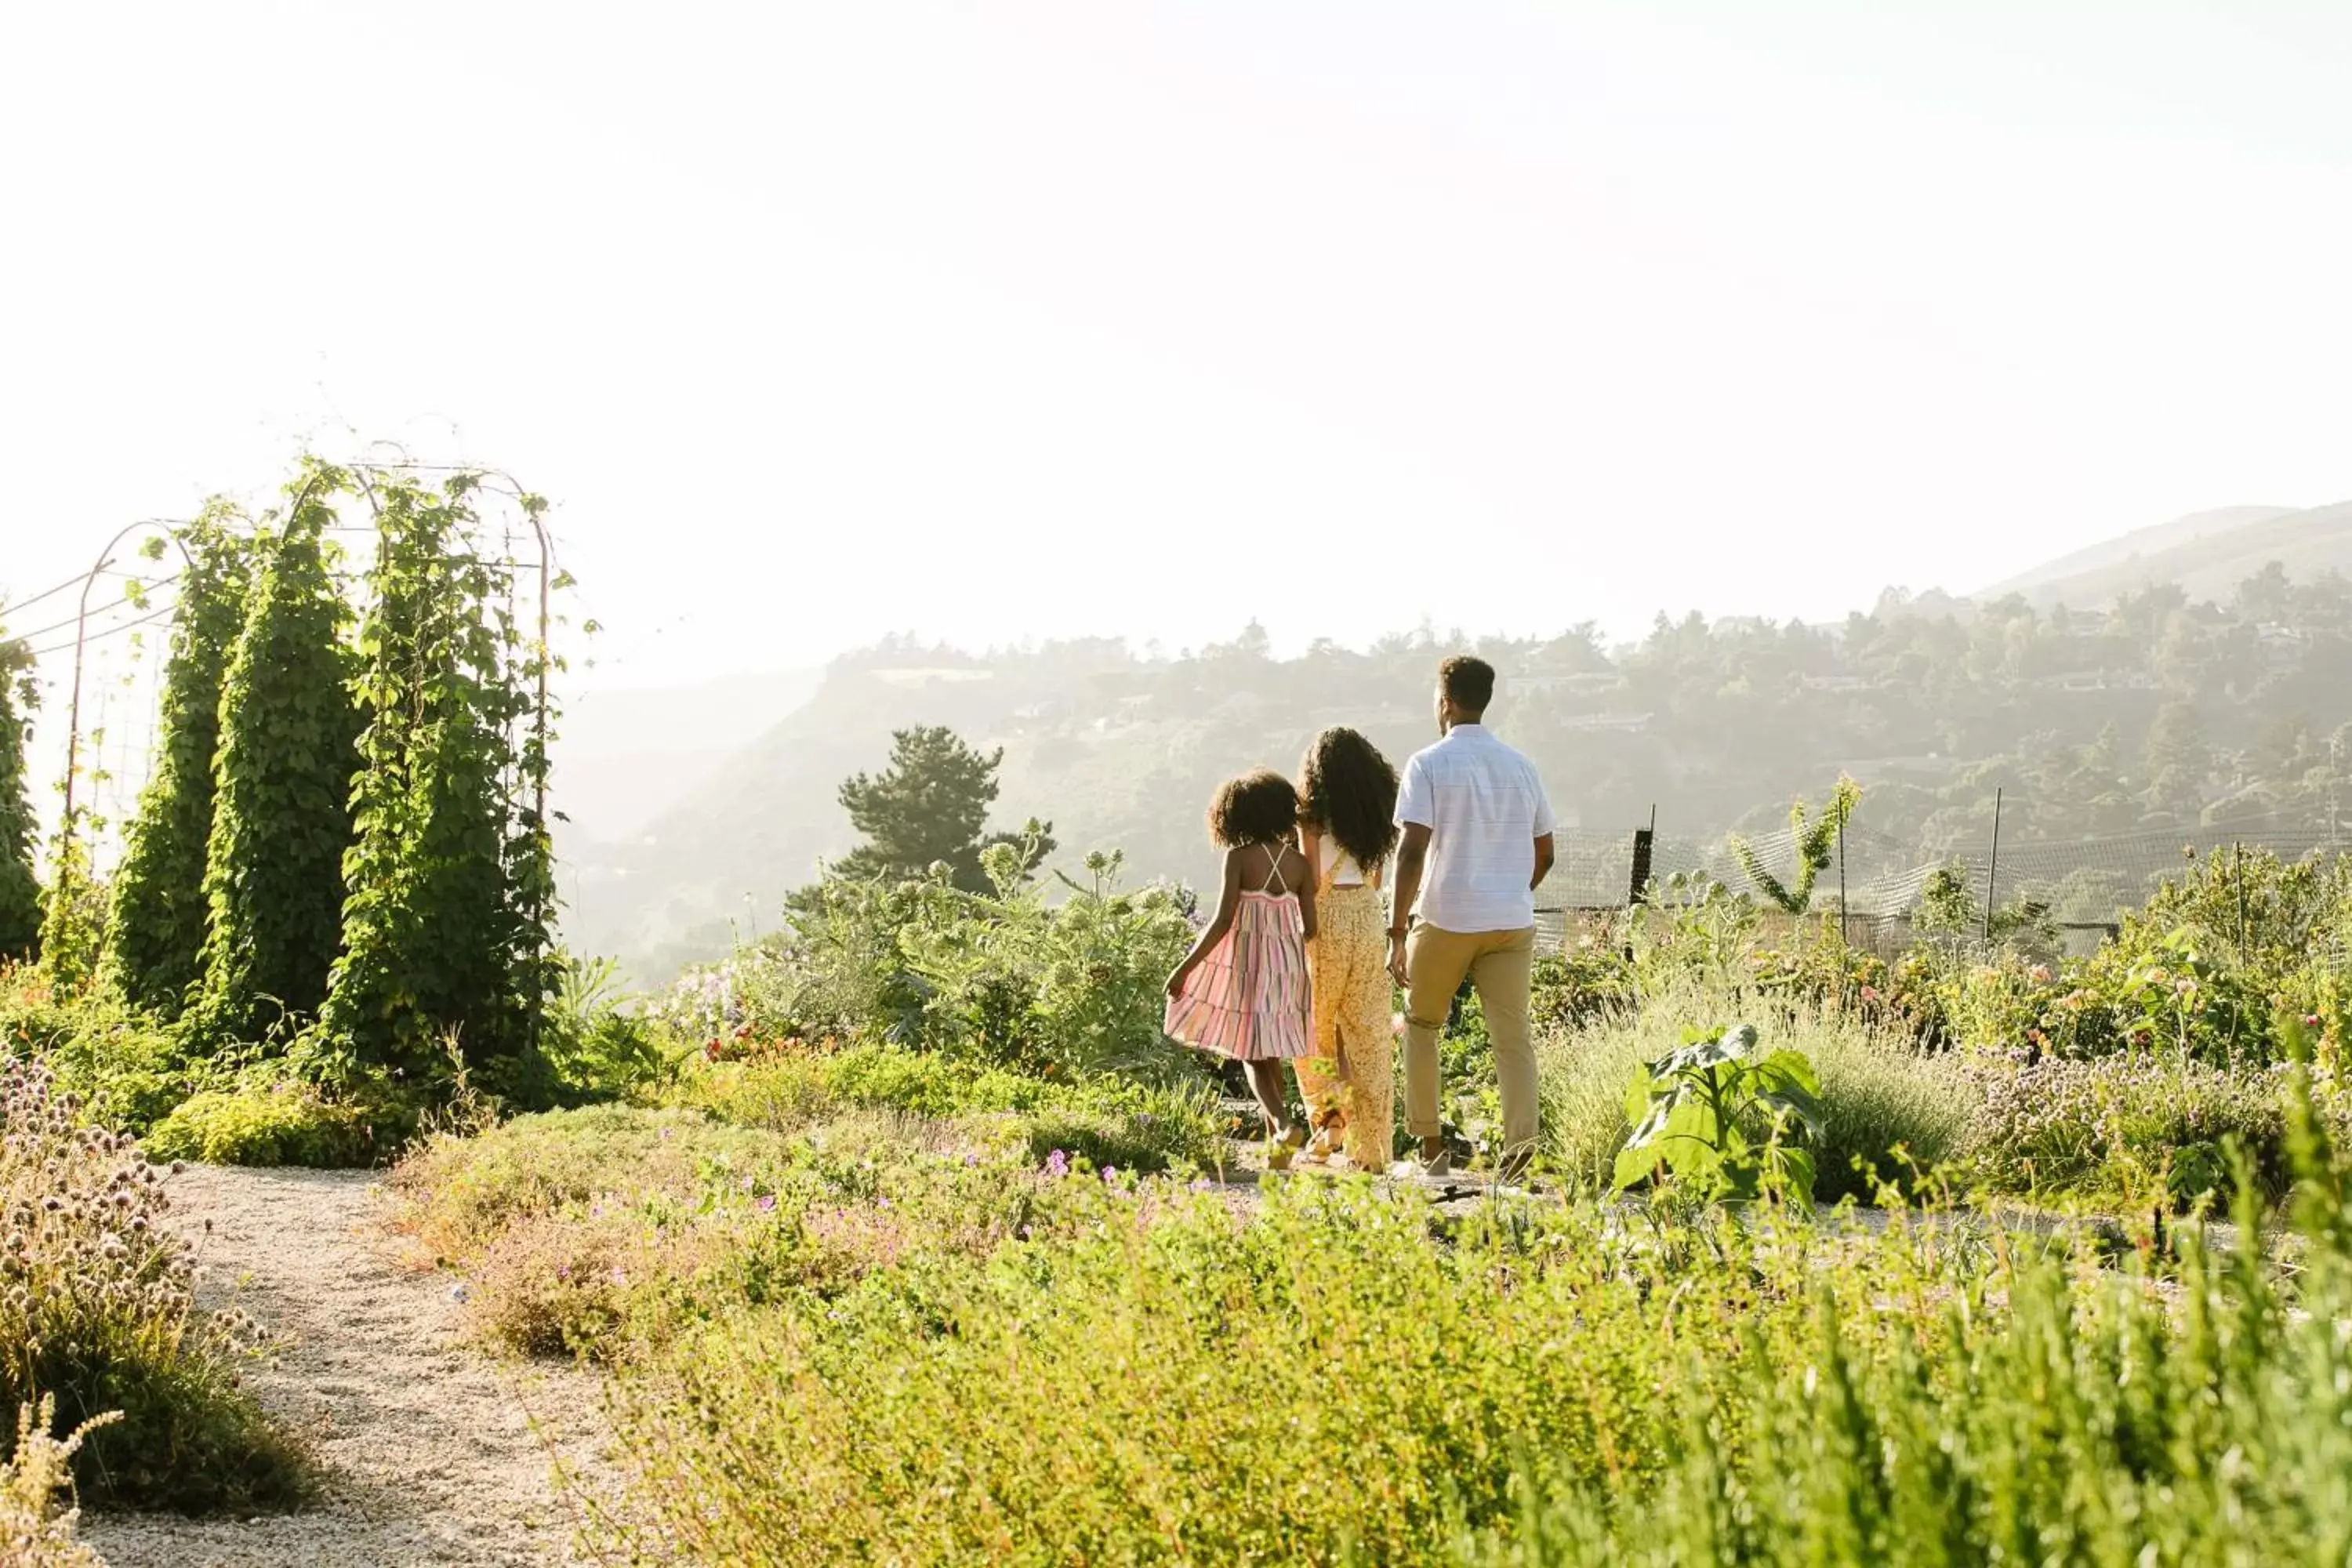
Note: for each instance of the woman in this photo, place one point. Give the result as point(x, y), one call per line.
point(1346, 827)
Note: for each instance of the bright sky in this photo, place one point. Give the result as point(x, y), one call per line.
point(1028, 320)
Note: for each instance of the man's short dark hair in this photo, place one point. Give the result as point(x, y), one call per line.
point(1468, 683)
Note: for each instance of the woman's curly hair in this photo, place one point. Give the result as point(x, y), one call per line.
point(1259, 807)
point(1348, 792)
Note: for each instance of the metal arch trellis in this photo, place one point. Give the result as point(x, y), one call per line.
point(168, 527)
point(542, 653)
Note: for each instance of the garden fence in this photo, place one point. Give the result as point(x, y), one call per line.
point(1876, 886)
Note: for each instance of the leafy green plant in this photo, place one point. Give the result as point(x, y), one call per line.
point(20, 890)
point(1814, 842)
point(1735, 1125)
point(277, 1120)
point(281, 815)
point(447, 928)
point(155, 937)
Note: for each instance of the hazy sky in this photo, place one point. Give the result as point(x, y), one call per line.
point(1007, 320)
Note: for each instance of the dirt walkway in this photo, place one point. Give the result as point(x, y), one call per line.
point(429, 1445)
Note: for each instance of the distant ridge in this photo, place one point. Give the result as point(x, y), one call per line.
point(2208, 553)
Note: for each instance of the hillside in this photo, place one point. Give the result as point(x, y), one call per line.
point(626, 754)
point(2156, 719)
point(2208, 555)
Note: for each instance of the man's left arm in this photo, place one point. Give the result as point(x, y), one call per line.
point(1545, 827)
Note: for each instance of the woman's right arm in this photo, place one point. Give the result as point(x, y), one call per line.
point(1229, 898)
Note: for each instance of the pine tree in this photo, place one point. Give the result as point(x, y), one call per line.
point(281, 816)
point(20, 891)
point(929, 806)
point(155, 939)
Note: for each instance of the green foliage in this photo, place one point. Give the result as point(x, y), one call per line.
point(282, 817)
point(447, 928)
point(279, 1120)
point(593, 1047)
point(930, 807)
point(98, 1311)
point(1813, 844)
point(1736, 1125)
point(20, 891)
point(1113, 1120)
point(155, 938)
point(1062, 988)
point(1889, 1112)
point(2135, 1130)
point(73, 906)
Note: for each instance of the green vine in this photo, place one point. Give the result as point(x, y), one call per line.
point(282, 817)
point(446, 926)
point(20, 890)
point(155, 939)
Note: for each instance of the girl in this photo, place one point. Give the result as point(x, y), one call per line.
point(1241, 991)
point(1346, 810)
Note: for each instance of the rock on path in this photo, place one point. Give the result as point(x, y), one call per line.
point(429, 1445)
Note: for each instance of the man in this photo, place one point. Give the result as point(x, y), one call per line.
point(1478, 841)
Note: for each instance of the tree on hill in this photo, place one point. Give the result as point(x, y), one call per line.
point(929, 805)
point(20, 891)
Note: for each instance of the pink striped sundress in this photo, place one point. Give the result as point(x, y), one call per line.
point(1248, 998)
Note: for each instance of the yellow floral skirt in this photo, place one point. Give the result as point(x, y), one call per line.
point(1350, 1074)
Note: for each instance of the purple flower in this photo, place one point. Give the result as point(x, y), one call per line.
point(765, 1203)
point(1057, 1164)
point(1110, 1174)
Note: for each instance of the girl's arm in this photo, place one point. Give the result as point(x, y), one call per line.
point(1229, 898)
point(1307, 896)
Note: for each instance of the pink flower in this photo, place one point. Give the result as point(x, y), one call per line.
point(765, 1203)
point(1869, 993)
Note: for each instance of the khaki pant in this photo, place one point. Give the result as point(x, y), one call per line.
point(1498, 963)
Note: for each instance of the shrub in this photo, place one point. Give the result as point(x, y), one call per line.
point(277, 1120)
point(1137, 1126)
point(2148, 1126)
point(1054, 990)
point(97, 1311)
point(1879, 1093)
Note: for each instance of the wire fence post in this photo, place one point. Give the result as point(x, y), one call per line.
point(2238, 874)
point(1993, 870)
point(1637, 882)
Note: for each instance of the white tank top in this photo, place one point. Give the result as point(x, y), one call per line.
point(1339, 868)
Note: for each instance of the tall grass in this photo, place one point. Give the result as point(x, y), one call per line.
point(1891, 1107)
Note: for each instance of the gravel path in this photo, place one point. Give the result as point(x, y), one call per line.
point(431, 1448)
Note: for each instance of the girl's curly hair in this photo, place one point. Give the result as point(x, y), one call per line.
point(1349, 792)
point(1259, 807)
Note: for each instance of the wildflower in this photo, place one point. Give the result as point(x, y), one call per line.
point(765, 1203)
point(1869, 993)
point(1110, 1174)
point(1057, 1164)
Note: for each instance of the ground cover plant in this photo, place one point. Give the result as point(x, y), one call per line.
point(1343, 1378)
point(97, 1315)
